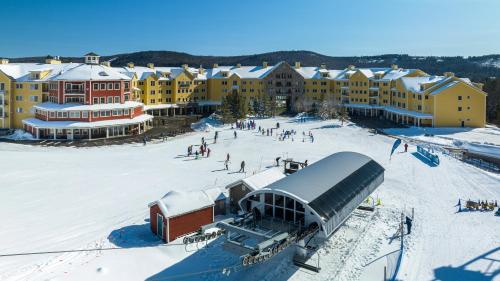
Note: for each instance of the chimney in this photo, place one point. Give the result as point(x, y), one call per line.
point(351, 67)
point(264, 64)
point(106, 63)
point(394, 66)
point(151, 65)
point(130, 65)
point(238, 65)
point(323, 66)
point(4, 61)
point(297, 64)
point(185, 66)
point(201, 70)
point(216, 65)
point(449, 74)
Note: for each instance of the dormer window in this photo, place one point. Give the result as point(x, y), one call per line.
point(92, 58)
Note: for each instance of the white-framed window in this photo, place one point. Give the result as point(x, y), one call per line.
point(117, 112)
point(117, 99)
point(65, 114)
point(95, 114)
point(19, 110)
point(52, 114)
point(59, 114)
point(74, 114)
point(103, 86)
point(95, 86)
point(117, 86)
point(95, 100)
point(110, 86)
point(19, 98)
point(127, 85)
point(34, 98)
point(110, 99)
point(103, 100)
point(85, 114)
point(125, 112)
point(33, 87)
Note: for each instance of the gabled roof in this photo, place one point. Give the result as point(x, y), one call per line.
point(84, 72)
point(413, 83)
point(92, 54)
point(260, 180)
point(176, 203)
point(21, 71)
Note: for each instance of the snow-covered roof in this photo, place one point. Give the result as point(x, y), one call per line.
point(22, 71)
point(85, 72)
point(176, 203)
point(386, 73)
point(216, 193)
point(89, 107)
point(161, 106)
point(37, 123)
point(260, 180)
point(413, 83)
point(143, 72)
point(248, 72)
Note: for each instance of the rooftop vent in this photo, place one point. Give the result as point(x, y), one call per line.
point(151, 65)
point(297, 64)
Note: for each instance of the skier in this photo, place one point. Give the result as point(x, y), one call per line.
point(268, 132)
point(144, 140)
point(202, 151)
point(305, 163)
point(408, 224)
point(202, 140)
point(242, 169)
point(235, 135)
point(406, 147)
point(226, 164)
point(227, 157)
point(277, 125)
point(278, 161)
point(208, 152)
point(196, 155)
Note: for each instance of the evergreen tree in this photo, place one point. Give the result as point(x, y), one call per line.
point(226, 112)
point(343, 116)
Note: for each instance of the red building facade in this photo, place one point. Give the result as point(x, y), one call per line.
point(88, 101)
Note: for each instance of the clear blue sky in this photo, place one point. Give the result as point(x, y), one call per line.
point(233, 27)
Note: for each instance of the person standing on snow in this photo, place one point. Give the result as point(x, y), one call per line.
point(208, 152)
point(226, 164)
point(408, 223)
point(406, 147)
point(242, 169)
point(278, 161)
point(235, 134)
point(227, 157)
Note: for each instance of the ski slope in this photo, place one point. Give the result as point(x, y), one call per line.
point(55, 199)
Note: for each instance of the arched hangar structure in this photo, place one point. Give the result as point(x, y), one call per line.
point(324, 193)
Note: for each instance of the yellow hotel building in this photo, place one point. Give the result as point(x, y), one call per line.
point(407, 96)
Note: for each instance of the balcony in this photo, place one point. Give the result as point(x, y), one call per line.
point(373, 95)
point(75, 91)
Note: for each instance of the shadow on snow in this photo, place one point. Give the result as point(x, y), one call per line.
point(134, 236)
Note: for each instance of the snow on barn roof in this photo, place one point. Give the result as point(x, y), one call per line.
point(216, 193)
point(84, 72)
point(176, 203)
point(260, 180)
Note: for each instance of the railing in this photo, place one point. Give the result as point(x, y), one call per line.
point(74, 91)
point(373, 95)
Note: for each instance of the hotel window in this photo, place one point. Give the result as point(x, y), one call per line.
point(419, 107)
point(95, 100)
point(95, 114)
point(19, 110)
point(127, 85)
point(85, 114)
point(459, 97)
point(34, 87)
point(19, 86)
point(74, 114)
point(34, 98)
point(459, 108)
point(115, 113)
point(152, 101)
point(125, 112)
point(65, 114)
point(95, 86)
point(117, 86)
point(117, 99)
point(52, 114)
point(152, 83)
point(153, 92)
point(103, 86)
point(110, 86)
point(59, 114)
point(110, 99)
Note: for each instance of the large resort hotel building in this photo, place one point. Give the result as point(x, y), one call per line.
point(94, 100)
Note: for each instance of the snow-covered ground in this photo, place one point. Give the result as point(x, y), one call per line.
point(70, 199)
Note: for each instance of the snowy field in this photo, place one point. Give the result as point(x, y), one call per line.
point(54, 199)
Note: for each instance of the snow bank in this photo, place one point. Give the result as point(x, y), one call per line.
point(207, 124)
point(20, 135)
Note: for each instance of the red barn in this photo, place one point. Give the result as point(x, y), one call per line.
point(180, 213)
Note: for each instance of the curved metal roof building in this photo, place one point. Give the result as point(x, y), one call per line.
point(325, 192)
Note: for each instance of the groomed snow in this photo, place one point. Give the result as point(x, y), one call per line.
point(67, 198)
